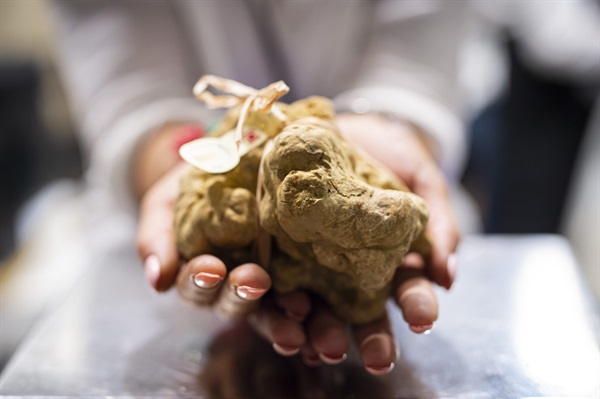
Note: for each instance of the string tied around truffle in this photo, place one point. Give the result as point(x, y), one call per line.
point(222, 154)
point(251, 98)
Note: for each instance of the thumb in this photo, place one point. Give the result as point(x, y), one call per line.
point(156, 237)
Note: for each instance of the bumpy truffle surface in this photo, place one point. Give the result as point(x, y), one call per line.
point(340, 225)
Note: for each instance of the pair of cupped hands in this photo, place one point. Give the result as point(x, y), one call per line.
point(296, 323)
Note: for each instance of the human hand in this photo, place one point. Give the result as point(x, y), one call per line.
point(203, 281)
point(407, 152)
point(293, 324)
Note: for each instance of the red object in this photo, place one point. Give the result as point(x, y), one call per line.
point(251, 136)
point(186, 134)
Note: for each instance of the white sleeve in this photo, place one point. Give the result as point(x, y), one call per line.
point(410, 70)
point(128, 72)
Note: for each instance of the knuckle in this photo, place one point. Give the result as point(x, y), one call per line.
point(192, 299)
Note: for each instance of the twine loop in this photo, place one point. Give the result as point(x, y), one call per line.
point(262, 100)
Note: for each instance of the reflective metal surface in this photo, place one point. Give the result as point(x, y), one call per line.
point(519, 322)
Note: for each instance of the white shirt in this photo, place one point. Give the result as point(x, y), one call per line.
point(130, 66)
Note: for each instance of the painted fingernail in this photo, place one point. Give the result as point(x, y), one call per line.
point(377, 349)
point(332, 360)
point(424, 329)
point(249, 293)
point(451, 269)
point(207, 280)
point(152, 270)
point(285, 350)
point(382, 370)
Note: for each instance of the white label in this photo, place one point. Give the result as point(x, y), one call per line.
point(211, 154)
point(220, 154)
point(251, 139)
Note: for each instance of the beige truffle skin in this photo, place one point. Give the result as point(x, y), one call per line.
point(341, 225)
point(217, 213)
point(344, 236)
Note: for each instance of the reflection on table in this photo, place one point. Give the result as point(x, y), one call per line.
point(519, 322)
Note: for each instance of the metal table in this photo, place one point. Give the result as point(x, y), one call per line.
point(519, 322)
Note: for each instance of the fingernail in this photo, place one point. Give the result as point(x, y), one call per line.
point(382, 370)
point(248, 293)
point(285, 350)
point(451, 269)
point(294, 316)
point(332, 360)
point(207, 280)
point(152, 270)
point(377, 349)
point(424, 329)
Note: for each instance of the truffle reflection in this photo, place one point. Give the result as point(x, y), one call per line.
point(241, 364)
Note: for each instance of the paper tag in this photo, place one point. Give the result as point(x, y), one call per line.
point(251, 139)
point(220, 154)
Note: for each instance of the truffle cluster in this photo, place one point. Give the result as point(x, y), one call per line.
point(340, 225)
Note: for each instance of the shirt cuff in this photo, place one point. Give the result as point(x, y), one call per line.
point(430, 116)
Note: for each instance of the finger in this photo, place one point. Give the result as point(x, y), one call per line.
point(244, 286)
point(415, 296)
point(442, 229)
point(286, 335)
point(376, 345)
point(155, 237)
point(296, 305)
point(200, 279)
point(310, 356)
point(327, 334)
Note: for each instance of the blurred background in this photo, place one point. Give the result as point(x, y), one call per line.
point(530, 72)
point(40, 173)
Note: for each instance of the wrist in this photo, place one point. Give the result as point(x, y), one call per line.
point(396, 125)
point(421, 135)
point(158, 153)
